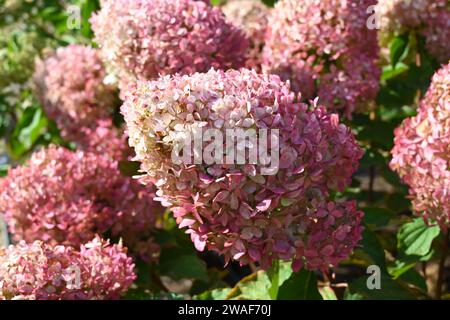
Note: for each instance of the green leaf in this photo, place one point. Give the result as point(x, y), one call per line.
point(274, 276)
point(390, 72)
point(390, 289)
point(166, 238)
point(280, 272)
point(372, 247)
point(393, 179)
point(414, 278)
point(398, 48)
point(214, 281)
point(352, 296)
point(400, 266)
point(378, 217)
point(414, 241)
point(285, 202)
point(372, 158)
point(217, 2)
point(415, 238)
point(129, 168)
point(397, 202)
point(254, 287)
point(216, 294)
point(27, 131)
point(179, 263)
point(87, 8)
point(404, 263)
point(257, 286)
point(4, 169)
point(327, 293)
point(380, 132)
point(269, 3)
point(300, 286)
point(393, 97)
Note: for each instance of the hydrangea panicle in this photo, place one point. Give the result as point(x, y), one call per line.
point(325, 49)
point(252, 17)
point(421, 154)
point(65, 197)
point(38, 271)
point(232, 208)
point(70, 84)
point(142, 39)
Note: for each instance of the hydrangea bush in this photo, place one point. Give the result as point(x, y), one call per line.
point(106, 202)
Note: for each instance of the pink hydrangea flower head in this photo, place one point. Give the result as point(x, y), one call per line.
point(38, 271)
point(233, 208)
point(428, 18)
point(421, 155)
point(65, 197)
point(70, 84)
point(103, 138)
point(142, 39)
point(252, 17)
point(325, 48)
point(439, 88)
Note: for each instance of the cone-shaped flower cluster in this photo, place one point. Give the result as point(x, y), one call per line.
point(421, 155)
point(326, 49)
point(233, 208)
point(70, 84)
point(429, 18)
point(141, 39)
point(64, 197)
point(252, 17)
point(38, 271)
point(439, 90)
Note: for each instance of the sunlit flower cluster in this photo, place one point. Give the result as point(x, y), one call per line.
point(64, 197)
point(71, 86)
point(429, 18)
point(439, 89)
point(325, 49)
point(38, 271)
point(421, 155)
point(142, 39)
point(252, 17)
point(235, 209)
